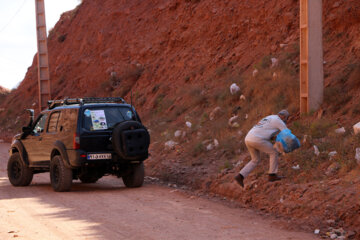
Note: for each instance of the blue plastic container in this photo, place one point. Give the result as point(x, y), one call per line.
point(288, 140)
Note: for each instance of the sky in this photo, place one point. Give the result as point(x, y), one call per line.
point(18, 35)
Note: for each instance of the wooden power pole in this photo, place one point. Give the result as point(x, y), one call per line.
point(311, 56)
point(42, 55)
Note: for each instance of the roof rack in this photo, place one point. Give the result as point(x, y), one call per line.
point(69, 101)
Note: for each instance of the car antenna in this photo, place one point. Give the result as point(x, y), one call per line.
point(131, 98)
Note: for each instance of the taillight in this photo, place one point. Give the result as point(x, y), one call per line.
point(76, 141)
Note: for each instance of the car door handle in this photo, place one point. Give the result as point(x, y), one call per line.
point(40, 138)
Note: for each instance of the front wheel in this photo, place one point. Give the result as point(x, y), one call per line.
point(19, 174)
point(60, 175)
point(135, 177)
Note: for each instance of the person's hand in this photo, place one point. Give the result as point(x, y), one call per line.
point(279, 147)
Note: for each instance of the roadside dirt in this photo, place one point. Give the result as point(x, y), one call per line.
point(108, 210)
point(329, 205)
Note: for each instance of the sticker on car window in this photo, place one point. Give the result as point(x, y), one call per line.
point(87, 113)
point(129, 114)
point(98, 120)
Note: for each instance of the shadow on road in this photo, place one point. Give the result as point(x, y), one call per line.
point(99, 205)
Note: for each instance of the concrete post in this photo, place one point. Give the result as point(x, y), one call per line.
point(311, 56)
point(42, 55)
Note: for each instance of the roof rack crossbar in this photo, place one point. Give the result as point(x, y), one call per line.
point(69, 101)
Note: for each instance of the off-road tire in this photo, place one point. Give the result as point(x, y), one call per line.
point(135, 177)
point(60, 176)
point(18, 173)
point(118, 138)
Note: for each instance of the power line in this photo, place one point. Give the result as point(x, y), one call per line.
point(12, 18)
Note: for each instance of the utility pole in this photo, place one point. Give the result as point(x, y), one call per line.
point(311, 56)
point(42, 55)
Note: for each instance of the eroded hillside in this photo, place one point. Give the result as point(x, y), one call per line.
point(179, 58)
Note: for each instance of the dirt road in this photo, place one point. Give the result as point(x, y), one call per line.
point(108, 210)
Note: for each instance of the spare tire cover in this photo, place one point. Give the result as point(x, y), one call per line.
point(131, 140)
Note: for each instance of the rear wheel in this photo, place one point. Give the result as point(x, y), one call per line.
point(60, 175)
point(19, 174)
point(135, 177)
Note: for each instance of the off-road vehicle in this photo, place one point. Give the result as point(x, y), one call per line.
point(81, 138)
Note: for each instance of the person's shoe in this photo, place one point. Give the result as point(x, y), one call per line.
point(273, 177)
point(240, 179)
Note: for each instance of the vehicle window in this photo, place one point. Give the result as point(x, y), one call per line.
point(68, 120)
point(40, 124)
point(53, 122)
point(106, 118)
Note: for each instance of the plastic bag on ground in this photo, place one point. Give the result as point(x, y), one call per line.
point(234, 88)
point(288, 140)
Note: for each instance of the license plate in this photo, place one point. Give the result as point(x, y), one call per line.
point(96, 156)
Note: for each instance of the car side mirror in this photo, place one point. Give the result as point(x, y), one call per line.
point(26, 130)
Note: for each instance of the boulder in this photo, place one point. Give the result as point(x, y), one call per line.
point(214, 113)
point(216, 143)
point(357, 128)
point(170, 144)
point(316, 150)
point(296, 167)
point(255, 72)
point(357, 156)
point(178, 133)
point(232, 121)
point(332, 154)
point(274, 76)
point(340, 130)
point(274, 62)
point(210, 147)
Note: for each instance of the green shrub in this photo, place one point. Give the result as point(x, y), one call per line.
point(321, 127)
point(197, 149)
point(264, 63)
point(227, 165)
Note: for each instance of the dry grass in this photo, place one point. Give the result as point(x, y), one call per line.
point(336, 98)
point(321, 133)
point(265, 94)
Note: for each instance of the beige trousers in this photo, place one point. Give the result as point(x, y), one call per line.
point(254, 149)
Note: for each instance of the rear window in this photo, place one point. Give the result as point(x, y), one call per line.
point(106, 117)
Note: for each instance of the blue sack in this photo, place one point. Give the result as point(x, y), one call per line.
point(288, 140)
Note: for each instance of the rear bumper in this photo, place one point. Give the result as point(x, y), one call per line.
point(78, 158)
point(75, 159)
